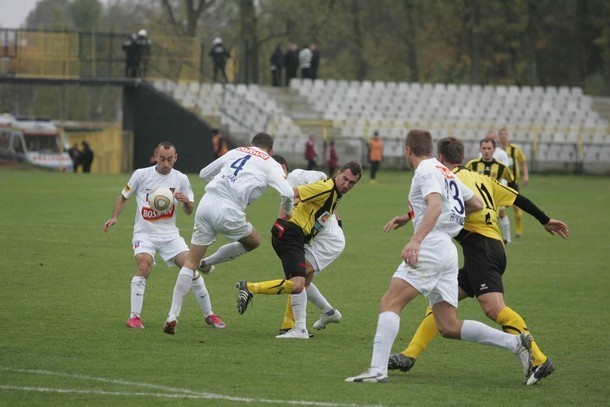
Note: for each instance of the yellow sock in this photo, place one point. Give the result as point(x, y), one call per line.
point(513, 323)
point(288, 316)
point(519, 221)
point(426, 331)
point(271, 287)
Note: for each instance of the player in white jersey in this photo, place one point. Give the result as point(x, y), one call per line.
point(156, 232)
point(234, 181)
point(326, 246)
point(438, 204)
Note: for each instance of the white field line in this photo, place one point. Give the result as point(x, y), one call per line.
point(173, 392)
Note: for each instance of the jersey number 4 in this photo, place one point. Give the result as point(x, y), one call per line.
point(238, 164)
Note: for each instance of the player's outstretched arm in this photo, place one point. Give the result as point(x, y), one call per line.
point(397, 222)
point(556, 226)
point(118, 208)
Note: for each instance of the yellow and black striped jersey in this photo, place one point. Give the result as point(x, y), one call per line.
point(493, 194)
point(493, 169)
point(515, 158)
point(317, 202)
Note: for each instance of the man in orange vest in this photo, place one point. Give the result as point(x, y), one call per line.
point(375, 154)
point(219, 144)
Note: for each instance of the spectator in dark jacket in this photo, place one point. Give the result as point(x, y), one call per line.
point(291, 62)
point(86, 157)
point(315, 60)
point(277, 63)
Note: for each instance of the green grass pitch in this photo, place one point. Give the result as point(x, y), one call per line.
point(64, 299)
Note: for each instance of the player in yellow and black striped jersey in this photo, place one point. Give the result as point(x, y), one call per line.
point(518, 165)
point(484, 260)
point(489, 166)
point(314, 203)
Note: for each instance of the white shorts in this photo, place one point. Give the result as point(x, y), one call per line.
point(167, 247)
point(326, 246)
point(435, 275)
point(217, 216)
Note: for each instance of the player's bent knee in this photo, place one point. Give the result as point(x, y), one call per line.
point(449, 331)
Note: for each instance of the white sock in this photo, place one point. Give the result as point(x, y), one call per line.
point(201, 293)
point(315, 296)
point(387, 329)
point(505, 225)
point(224, 253)
point(138, 285)
point(299, 309)
point(474, 331)
point(182, 287)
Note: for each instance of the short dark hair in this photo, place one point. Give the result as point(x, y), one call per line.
point(166, 146)
point(354, 167)
point(487, 140)
point(420, 142)
point(263, 140)
point(280, 159)
point(452, 149)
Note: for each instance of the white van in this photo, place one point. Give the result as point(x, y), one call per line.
point(38, 142)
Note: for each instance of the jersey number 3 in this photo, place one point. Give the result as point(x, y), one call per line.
point(454, 192)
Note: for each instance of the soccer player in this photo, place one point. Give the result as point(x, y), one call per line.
point(438, 204)
point(155, 232)
point(234, 180)
point(324, 248)
point(518, 165)
point(484, 260)
point(496, 168)
point(316, 203)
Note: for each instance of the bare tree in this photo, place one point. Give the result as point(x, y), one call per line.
point(191, 10)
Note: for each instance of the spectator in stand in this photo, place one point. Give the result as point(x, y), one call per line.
point(277, 63)
point(219, 55)
point(143, 45)
point(305, 57)
point(332, 161)
point(311, 153)
point(315, 60)
point(131, 56)
point(86, 157)
point(291, 62)
point(375, 155)
point(219, 144)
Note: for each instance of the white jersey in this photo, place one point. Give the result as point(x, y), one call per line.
point(243, 174)
point(303, 177)
point(431, 176)
point(146, 180)
point(501, 156)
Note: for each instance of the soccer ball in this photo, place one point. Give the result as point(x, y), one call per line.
point(161, 199)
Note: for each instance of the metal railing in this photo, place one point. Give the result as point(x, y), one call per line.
point(75, 54)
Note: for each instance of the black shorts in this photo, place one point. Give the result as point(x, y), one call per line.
point(514, 186)
point(484, 264)
point(288, 242)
